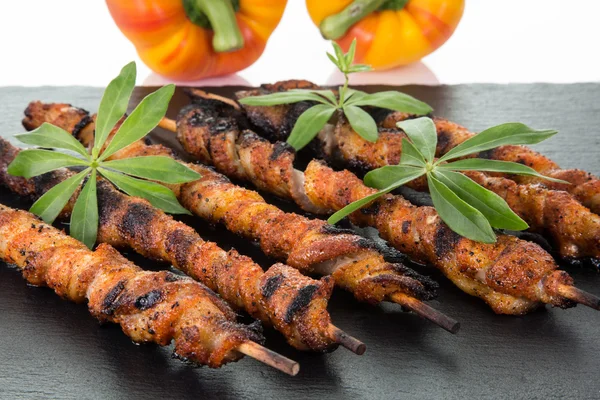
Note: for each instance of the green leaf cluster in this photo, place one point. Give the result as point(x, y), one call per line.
point(465, 206)
point(125, 173)
point(346, 100)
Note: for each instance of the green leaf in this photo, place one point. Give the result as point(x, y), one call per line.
point(156, 168)
point(51, 136)
point(339, 55)
point(33, 162)
point(142, 120)
point(309, 124)
point(349, 57)
point(397, 175)
point(458, 215)
point(84, 218)
point(411, 155)
point(158, 195)
point(114, 103)
point(328, 94)
point(291, 96)
point(507, 167)
point(492, 206)
point(350, 208)
point(394, 100)
point(361, 122)
point(512, 133)
point(359, 68)
point(351, 95)
point(334, 61)
point(54, 200)
point(392, 176)
point(423, 135)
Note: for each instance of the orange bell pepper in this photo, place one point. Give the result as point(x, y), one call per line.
point(389, 33)
point(195, 39)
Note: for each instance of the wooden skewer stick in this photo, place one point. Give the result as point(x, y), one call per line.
point(269, 357)
point(427, 312)
point(347, 341)
point(168, 124)
point(212, 96)
point(339, 335)
point(579, 296)
point(411, 303)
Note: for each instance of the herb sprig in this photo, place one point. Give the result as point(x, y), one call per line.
point(124, 173)
point(347, 101)
point(466, 207)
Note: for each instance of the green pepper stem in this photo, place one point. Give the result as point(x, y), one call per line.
point(221, 19)
point(335, 26)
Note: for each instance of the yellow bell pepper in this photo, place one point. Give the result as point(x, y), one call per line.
point(389, 33)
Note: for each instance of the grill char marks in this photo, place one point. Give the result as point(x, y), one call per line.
point(445, 240)
point(290, 300)
point(132, 222)
point(271, 285)
point(180, 243)
point(109, 302)
point(148, 300)
point(279, 149)
point(148, 307)
point(135, 221)
point(276, 121)
point(302, 299)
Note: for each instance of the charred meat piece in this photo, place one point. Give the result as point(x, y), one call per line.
point(312, 246)
point(157, 307)
point(573, 229)
point(277, 121)
point(512, 276)
point(133, 222)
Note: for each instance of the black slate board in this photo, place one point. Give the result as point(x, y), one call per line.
point(50, 348)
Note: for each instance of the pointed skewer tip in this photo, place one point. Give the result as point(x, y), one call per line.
point(269, 357)
point(442, 320)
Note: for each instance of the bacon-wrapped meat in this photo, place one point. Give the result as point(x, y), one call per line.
point(296, 305)
point(312, 246)
point(157, 307)
point(513, 276)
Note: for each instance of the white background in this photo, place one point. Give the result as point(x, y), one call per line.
point(75, 42)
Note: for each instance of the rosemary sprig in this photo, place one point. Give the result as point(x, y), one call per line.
point(144, 118)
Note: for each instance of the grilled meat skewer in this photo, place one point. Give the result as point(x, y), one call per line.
point(571, 227)
point(513, 276)
point(157, 307)
point(584, 186)
point(294, 304)
point(312, 246)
